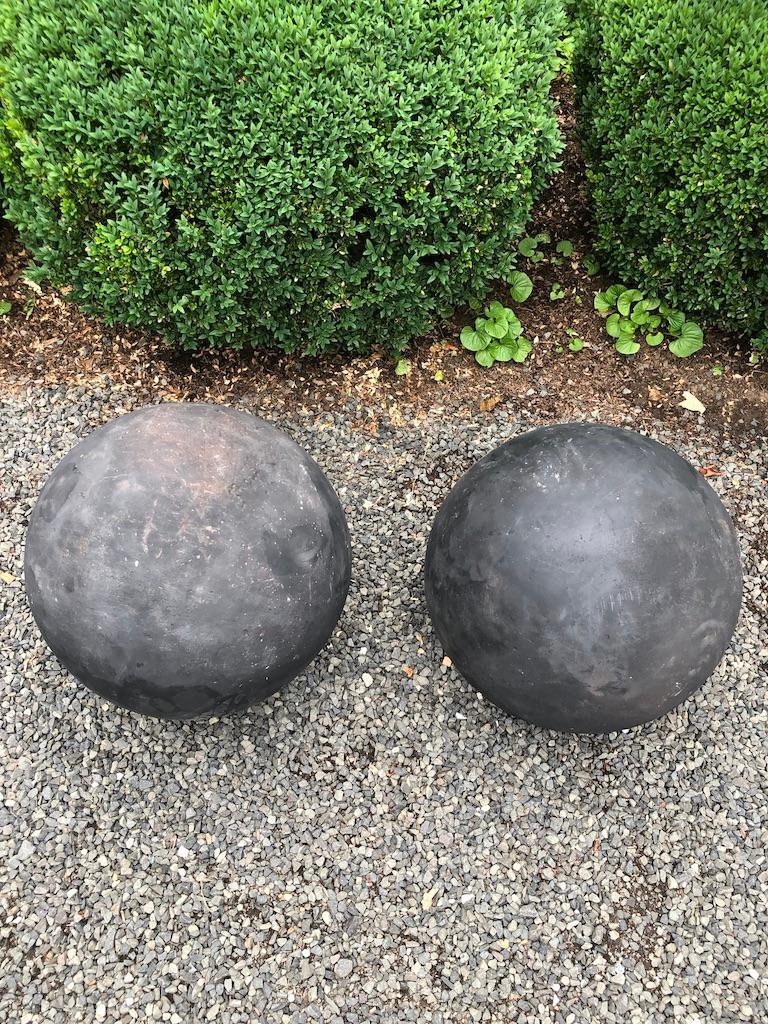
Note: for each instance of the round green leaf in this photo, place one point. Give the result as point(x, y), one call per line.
point(522, 350)
point(514, 328)
point(654, 339)
point(627, 346)
point(613, 325)
point(603, 304)
point(691, 340)
point(484, 358)
point(496, 329)
point(526, 247)
point(502, 353)
point(575, 344)
point(590, 264)
point(614, 292)
point(565, 247)
point(520, 286)
point(625, 300)
point(473, 340)
point(675, 320)
point(691, 332)
point(497, 311)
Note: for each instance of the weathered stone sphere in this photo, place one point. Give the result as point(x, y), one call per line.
point(187, 560)
point(584, 578)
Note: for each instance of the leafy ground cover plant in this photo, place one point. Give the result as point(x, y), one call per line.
point(497, 337)
point(631, 316)
point(673, 100)
point(306, 174)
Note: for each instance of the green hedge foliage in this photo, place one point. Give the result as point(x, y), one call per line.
point(309, 174)
point(673, 98)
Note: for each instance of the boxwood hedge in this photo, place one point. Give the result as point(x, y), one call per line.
point(302, 173)
point(674, 106)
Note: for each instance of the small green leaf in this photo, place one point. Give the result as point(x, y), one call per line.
point(625, 300)
point(5, 308)
point(575, 344)
point(675, 320)
point(613, 325)
point(520, 286)
point(439, 375)
point(502, 353)
point(526, 247)
point(514, 327)
point(496, 329)
point(653, 322)
point(591, 266)
point(544, 236)
point(557, 292)
point(654, 339)
point(473, 340)
point(614, 292)
point(475, 305)
point(627, 346)
point(691, 340)
point(537, 257)
point(565, 247)
point(603, 303)
point(717, 370)
point(691, 332)
point(497, 311)
point(484, 358)
point(523, 348)
point(639, 316)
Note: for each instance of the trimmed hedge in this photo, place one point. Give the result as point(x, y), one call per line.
point(673, 98)
point(309, 174)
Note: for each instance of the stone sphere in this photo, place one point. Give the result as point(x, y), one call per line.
point(187, 560)
point(584, 578)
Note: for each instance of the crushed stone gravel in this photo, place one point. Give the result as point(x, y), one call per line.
point(377, 843)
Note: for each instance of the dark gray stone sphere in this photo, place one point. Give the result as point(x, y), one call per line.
point(584, 578)
point(187, 560)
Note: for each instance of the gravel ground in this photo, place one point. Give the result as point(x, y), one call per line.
point(377, 843)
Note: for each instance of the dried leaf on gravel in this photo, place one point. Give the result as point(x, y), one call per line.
point(489, 404)
point(691, 402)
point(428, 898)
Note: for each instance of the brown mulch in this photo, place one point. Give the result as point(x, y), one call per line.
point(48, 340)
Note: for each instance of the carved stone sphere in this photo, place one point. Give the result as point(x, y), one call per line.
point(584, 578)
point(187, 560)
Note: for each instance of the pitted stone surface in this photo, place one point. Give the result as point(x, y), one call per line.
point(187, 559)
point(585, 578)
